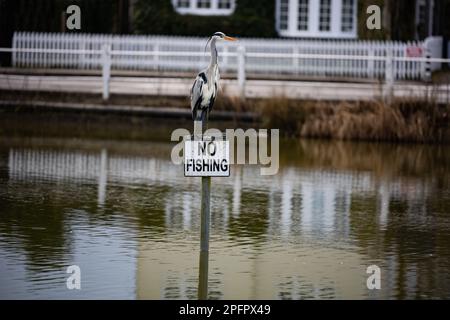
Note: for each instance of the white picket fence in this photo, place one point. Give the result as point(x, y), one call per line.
point(357, 59)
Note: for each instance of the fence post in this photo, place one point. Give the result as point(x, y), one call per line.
point(241, 71)
point(427, 68)
point(389, 77)
point(106, 69)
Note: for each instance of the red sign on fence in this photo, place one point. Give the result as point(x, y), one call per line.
point(414, 52)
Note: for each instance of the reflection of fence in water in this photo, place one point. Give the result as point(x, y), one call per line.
point(52, 164)
point(79, 165)
point(297, 199)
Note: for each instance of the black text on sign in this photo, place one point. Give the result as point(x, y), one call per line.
point(206, 158)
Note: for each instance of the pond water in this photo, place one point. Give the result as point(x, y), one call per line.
point(128, 217)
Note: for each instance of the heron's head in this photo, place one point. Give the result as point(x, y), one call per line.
point(219, 36)
point(222, 36)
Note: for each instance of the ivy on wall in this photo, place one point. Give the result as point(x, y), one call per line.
point(399, 20)
point(250, 19)
point(97, 16)
point(363, 31)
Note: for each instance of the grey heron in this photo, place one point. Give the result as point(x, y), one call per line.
point(206, 84)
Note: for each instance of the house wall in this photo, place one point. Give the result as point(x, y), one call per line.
point(257, 19)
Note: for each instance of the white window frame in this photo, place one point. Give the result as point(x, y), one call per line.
point(328, 16)
point(214, 10)
point(314, 21)
point(278, 14)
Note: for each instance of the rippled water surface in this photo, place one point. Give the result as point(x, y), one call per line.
point(130, 219)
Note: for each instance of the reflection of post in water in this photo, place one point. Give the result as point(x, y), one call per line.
point(103, 177)
point(199, 129)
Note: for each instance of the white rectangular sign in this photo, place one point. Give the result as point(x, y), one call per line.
point(206, 158)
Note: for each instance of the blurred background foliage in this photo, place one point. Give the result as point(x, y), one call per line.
point(250, 19)
point(97, 16)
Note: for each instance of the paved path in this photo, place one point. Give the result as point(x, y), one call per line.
point(254, 88)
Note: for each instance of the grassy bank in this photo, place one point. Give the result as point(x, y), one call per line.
point(400, 121)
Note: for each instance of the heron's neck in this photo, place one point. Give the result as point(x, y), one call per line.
point(213, 54)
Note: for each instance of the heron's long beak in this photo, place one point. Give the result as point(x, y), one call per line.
point(229, 38)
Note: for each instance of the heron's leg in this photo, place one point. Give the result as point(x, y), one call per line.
point(204, 118)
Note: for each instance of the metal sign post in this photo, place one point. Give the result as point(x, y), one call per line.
point(204, 239)
point(205, 157)
point(204, 222)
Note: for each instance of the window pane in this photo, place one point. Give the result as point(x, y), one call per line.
point(303, 6)
point(224, 4)
point(182, 3)
point(347, 15)
point(284, 14)
point(325, 15)
point(203, 3)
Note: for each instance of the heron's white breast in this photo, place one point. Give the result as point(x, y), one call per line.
point(210, 88)
point(207, 93)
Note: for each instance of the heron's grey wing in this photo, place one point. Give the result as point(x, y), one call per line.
point(196, 95)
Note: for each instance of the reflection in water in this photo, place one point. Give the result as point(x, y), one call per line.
point(102, 178)
point(131, 220)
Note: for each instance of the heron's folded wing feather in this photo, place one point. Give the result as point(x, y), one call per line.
point(196, 92)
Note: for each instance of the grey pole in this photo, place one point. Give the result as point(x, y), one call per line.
point(205, 213)
point(204, 225)
point(203, 276)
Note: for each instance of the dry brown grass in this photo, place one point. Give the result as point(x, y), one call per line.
point(288, 115)
point(402, 120)
point(409, 121)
